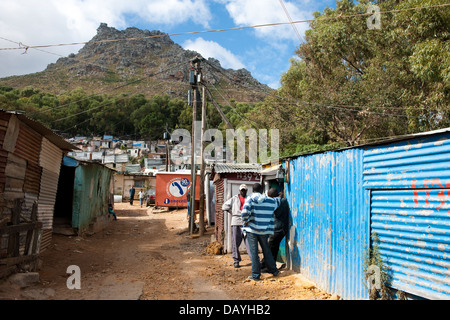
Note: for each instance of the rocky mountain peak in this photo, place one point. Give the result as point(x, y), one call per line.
point(113, 57)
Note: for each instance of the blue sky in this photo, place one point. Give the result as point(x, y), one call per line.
point(265, 52)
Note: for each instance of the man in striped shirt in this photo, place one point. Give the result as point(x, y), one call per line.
point(258, 217)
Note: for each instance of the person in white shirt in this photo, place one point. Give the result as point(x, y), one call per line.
point(141, 197)
point(234, 206)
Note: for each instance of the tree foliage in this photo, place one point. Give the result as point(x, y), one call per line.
point(122, 115)
point(352, 84)
point(349, 84)
point(77, 113)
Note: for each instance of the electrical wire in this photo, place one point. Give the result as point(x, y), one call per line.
point(226, 29)
point(290, 20)
point(296, 102)
point(25, 47)
point(113, 89)
point(111, 102)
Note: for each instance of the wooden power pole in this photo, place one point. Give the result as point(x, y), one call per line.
point(195, 80)
point(203, 167)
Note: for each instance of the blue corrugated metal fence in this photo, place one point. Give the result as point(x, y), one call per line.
point(399, 190)
point(330, 220)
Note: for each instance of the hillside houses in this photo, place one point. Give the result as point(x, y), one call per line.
point(123, 156)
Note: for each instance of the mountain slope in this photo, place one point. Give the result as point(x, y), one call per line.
point(148, 62)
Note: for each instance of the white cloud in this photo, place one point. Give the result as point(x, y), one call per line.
point(211, 49)
point(258, 12)
point(43, 22)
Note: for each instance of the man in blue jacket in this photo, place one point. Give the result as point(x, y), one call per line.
point(258, 217)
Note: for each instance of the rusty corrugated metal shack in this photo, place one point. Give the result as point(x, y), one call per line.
point(30, 161)
point(227, 178)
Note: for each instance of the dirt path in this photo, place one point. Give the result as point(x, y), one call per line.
point(151, 256)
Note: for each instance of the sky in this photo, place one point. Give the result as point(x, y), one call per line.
point(265, 51)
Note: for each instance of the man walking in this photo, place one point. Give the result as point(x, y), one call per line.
point(141, 197)
point(132, 192)
point(234, 206)
point(258, 218)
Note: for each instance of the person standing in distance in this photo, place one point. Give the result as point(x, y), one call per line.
point(132, 192)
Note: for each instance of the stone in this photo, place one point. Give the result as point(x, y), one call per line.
point(24, 280)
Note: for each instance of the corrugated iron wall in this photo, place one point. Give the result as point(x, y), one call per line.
point(31, 170)
point(219, 224)
point(28, 145)
point(410, 211)
point(28, 148)
point(329, 216)
point(399, 190)
point(3, 160)
point(50, 161)
point(91, 194)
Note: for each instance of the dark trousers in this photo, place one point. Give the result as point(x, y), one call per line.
point(253, 240)
point(274, 245)
point(237, 237)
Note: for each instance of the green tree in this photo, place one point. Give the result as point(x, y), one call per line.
point(352, 83)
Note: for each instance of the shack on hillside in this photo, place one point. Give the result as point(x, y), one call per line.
point(83, 196)
point(30, 161)
point(227, 178)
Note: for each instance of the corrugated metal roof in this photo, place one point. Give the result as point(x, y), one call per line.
point(45, 132)
point(376, 143)
point(237, 167)
point(133, 168)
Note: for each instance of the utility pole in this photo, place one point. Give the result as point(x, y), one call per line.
point(167, 138)
point(194, 78)
point(203, 167)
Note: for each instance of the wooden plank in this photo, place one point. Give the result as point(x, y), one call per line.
point(14, 237)
point(16, 260)
point(6, 271)
point(3, 222)
point(37, 236)
point(32, 232)
point(20, 227)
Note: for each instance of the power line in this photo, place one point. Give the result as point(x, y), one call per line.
point(105, 104)
point(25, 47)
point(290, 20)
point(227, 29)
point(296, 102)
point(113, 89)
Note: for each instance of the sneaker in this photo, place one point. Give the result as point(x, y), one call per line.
point(276, 273)
point(236, 265)
point(254, 279)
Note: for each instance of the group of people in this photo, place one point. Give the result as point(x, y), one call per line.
point(258, 219)
point(141, 196)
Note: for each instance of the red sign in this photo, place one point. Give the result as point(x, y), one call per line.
point(171, 189)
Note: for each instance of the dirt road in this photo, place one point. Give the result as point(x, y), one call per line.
point(149, 255)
